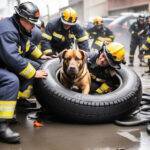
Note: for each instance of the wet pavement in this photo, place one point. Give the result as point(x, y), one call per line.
point(56, 135)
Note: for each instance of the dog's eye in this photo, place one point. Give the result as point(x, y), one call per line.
point(68, 59)
point(77, 58)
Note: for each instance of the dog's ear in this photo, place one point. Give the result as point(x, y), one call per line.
point(84, 56)
point(62, 54)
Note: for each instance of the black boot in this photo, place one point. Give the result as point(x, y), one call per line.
point(26, 103)
point(131, 59)
point(7, 135)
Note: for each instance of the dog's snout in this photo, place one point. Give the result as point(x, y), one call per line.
point(72, 70)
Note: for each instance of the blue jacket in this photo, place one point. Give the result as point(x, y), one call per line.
point(58, 39)
point(36, 36)
point(15, 46)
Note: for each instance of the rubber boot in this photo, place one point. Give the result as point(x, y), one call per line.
point(131, 61)
point(7, 135)
point(26, 103)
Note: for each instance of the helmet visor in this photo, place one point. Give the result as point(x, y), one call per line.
point(111, 60)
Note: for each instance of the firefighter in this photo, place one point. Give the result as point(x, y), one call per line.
point(103, 66)
point(137, 30)
point(61, 32)
point(146, 46)
point(16, 70)
point(100, 33)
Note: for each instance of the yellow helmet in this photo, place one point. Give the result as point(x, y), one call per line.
point(115, 54)
point(98, 20)
point(69, 16)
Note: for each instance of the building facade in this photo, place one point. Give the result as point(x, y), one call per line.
point(116, 7)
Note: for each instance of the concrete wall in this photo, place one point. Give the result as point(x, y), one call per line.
point(94, 8)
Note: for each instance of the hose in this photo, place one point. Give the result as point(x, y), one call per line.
point(140, 116)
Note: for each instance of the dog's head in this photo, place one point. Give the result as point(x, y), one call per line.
point(73, 61)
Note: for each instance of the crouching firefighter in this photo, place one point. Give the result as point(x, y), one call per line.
point(100, 33)
point(103, 66)
point(16, 70)
point(62, 32)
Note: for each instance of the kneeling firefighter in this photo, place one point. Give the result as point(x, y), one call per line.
point(103, 66)
point(16, 70)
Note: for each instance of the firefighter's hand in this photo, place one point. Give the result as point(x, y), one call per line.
point(139, 33)
point(55, 56)
point(41, 74)
point(45, 57)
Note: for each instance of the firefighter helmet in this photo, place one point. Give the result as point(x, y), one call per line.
point(141, 18)
point(115, 54)
point(29, 11)
point(69, 16)
point(98, 20)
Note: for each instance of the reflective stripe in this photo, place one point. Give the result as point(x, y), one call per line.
point(27, 46)
point(60, 36)
point(83, 38)
point(26, 93)
point(104, 88)
point(47, 51)
point(71, 35)
point(19, 50)
point(36, 53)
point(28, 72)
point(112, 37)
point(146, 56)
point(7, 109)
point(94, 33)
point(148, 40)
point(39, 46)
point(99, 43)
point(131, 56)
point(99, 90)
point(145, 47)
point(46, 36)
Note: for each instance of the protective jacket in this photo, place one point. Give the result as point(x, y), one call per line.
point(103, 78)
point(100, 34)
point(15, 46)
point(58, 39)
point(95, 32)
point(146, 46)
point(138, 33)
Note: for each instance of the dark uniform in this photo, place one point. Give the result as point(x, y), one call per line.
point(146, 49)
point(15, 48)
point(96, 32)
point(36, 36)
point(56, 38)
point(103, 78)
point(16, 71)
point(136, 40)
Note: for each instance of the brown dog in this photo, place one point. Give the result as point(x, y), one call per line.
point(74, 71)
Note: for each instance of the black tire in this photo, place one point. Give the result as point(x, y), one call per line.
point(70, 105)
